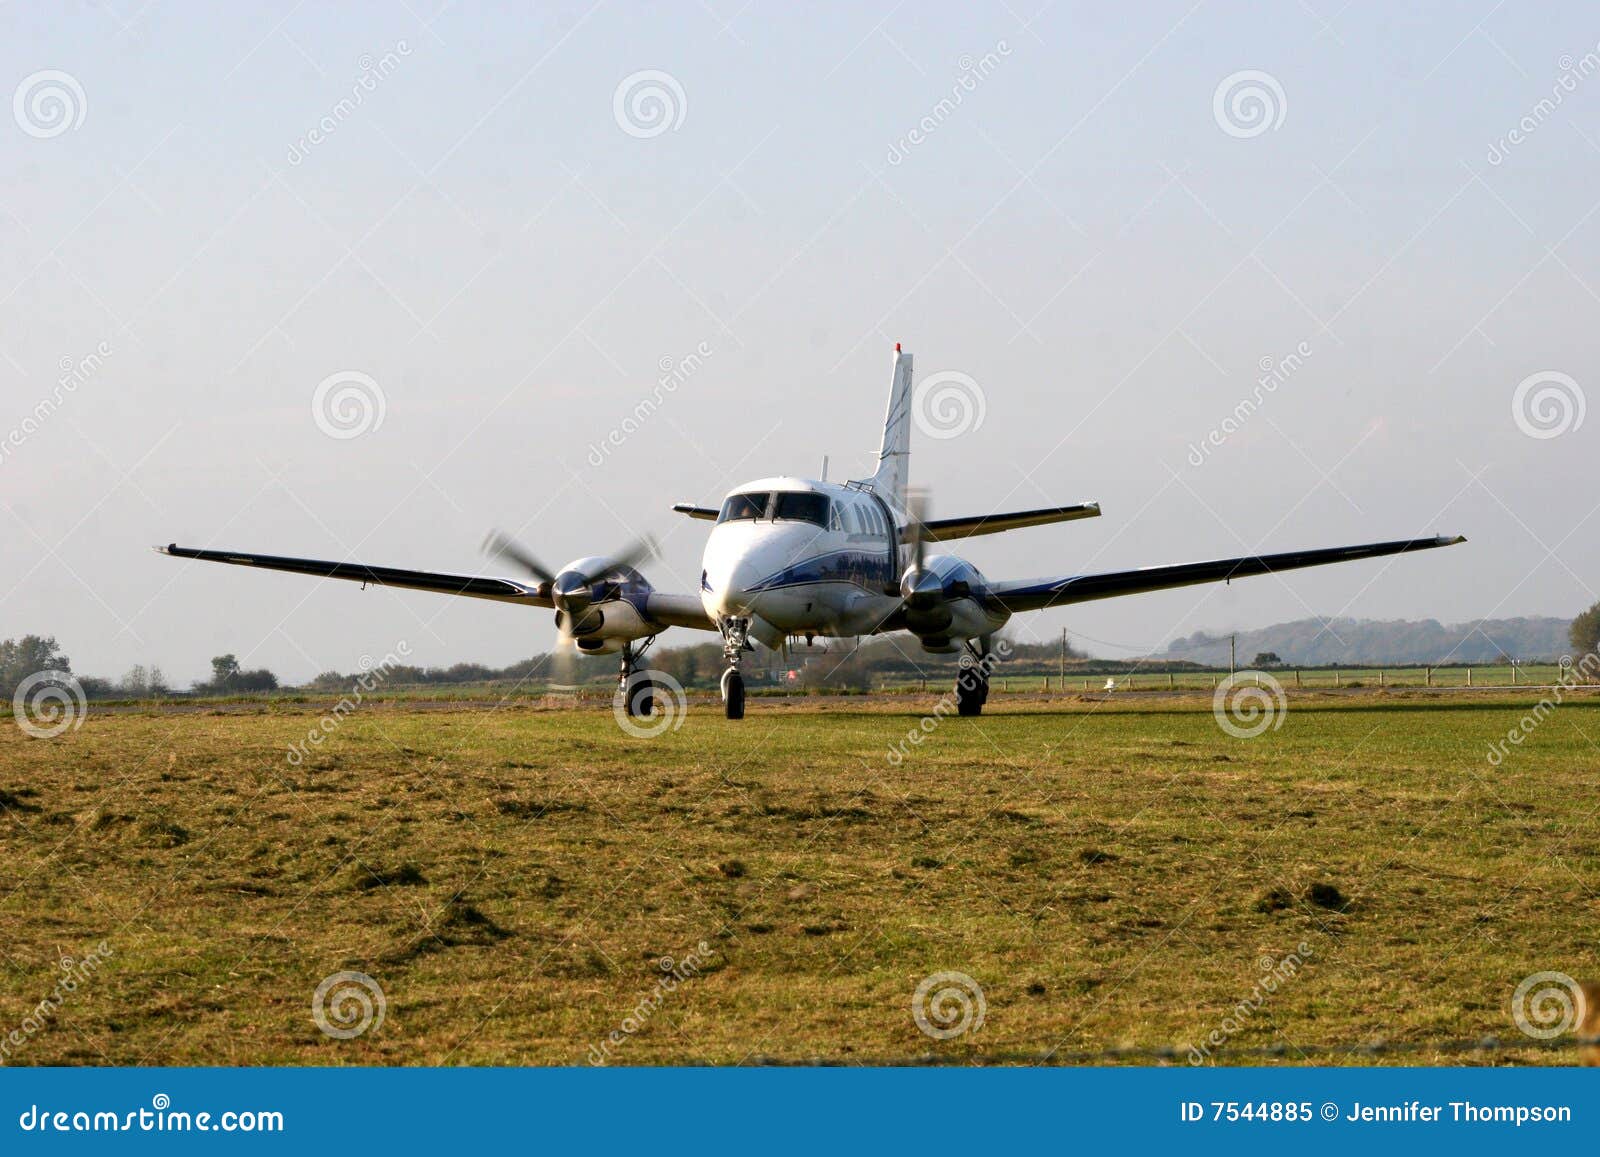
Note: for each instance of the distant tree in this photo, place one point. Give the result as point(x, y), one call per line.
point(1585, 631)
point(228, 678)
point(1266, 659)
point(26, 656)
point(224, 670)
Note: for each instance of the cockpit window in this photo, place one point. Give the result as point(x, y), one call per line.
point(744, 506)
point(803, 507)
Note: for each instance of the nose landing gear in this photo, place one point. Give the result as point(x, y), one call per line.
point(735, 642)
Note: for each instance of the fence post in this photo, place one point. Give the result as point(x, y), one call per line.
point(1469, 676)
point(1427, 675)
point(1382, 680)
point(1336, 682)
point(1297, 676)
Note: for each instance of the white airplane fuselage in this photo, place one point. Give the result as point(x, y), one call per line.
point(797, 556)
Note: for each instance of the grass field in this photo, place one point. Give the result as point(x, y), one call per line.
point(1110, 873)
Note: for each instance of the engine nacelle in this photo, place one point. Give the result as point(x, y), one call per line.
point(616, 616)
point(965, 609)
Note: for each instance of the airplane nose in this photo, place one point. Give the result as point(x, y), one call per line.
point(732, 589)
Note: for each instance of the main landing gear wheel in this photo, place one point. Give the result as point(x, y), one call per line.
point(641, 697)
point(733, 694)
point(972, 685)
point(637, 689)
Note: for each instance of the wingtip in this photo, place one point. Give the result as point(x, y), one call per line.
point(168, 549)
point(1452, 539)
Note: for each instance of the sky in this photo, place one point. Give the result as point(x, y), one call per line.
point(366, 281)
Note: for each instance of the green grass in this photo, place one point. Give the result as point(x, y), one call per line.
point(1110, 873)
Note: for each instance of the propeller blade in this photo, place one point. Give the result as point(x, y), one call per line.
point(501, 546)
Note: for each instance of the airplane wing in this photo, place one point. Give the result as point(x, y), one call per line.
point(472, 586)
point(946, 529)
point(1038, 594)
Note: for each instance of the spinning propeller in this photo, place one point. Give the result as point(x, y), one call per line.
point(920, 588)
point(571, 589)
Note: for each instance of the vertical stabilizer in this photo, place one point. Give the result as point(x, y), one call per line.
point(894, 457)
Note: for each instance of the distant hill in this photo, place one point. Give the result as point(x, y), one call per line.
point(1310, 642)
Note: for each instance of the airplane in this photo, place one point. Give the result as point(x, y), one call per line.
point(791, 558)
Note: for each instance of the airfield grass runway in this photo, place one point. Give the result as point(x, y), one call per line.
point(1110, 873)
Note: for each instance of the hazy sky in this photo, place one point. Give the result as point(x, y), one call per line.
point(232, 203)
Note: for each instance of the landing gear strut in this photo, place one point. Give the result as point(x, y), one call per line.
point(638, 691)
point(735, 642)
point(972, 680)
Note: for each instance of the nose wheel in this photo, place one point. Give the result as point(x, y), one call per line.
point(733, 693)
point(735, 642)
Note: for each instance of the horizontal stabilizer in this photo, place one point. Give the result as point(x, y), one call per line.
point(947, 529)
point(709, 513)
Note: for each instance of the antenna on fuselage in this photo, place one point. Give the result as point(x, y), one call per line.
point(824, 468)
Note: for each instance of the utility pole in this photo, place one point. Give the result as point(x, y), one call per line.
point(1233, 656)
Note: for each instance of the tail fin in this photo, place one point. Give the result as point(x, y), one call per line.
point(894, 457)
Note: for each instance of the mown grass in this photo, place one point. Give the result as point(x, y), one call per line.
point(1110, 873)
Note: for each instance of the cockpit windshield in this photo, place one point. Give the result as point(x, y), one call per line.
point(803, 506)
point(743, 506)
